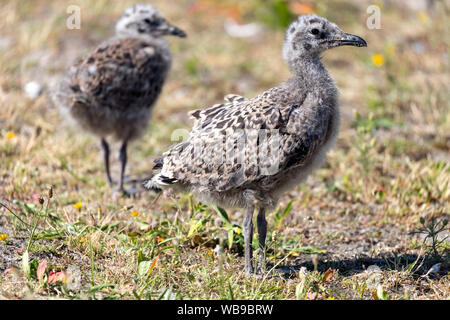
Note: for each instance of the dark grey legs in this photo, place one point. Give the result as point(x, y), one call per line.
point(122, 159)
point(123, 164)
point(262, 232)
point(248, 237)
point(105, 147)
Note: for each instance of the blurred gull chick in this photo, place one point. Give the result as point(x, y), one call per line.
point(112, 90)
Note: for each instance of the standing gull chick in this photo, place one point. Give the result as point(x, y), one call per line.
point(246, 152)
point(112, 90)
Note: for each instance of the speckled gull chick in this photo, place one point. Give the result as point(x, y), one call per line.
point(112, 90)
point(246, 152)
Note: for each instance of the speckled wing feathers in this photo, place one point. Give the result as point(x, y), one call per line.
point(119, 74)
point(272, 111)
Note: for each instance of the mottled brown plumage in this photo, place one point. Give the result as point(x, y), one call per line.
point(246, 152)
point(114, 87)
point(111, 91)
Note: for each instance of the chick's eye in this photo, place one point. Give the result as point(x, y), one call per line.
point(151, 23)
point(315, 31)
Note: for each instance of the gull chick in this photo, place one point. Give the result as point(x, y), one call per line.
point(111, 91)
point(245, 153)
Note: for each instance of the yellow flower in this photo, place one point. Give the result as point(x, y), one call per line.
point(3, 237)
point(78, 205)
point(378, 59)
point(423, 17)
point(330, 298)
point(82, 239)
point(210, 252)
point(134, 214)
point(10, 135)
point(237, 230)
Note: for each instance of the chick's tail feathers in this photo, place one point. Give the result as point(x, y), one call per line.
point(158, 181)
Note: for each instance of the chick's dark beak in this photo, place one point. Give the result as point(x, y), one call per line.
point(171, 29)
point(351, 40)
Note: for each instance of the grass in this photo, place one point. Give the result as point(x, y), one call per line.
point(365, 226)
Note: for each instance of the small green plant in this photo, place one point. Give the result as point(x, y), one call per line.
point(432, 230)
point(360, 288)
point(380, 294)
point(281, 215)
point(26, 266)
point(364, 142)
point(145, 268)
point(234, 231)
point(191, 67)
point(312, 285)
point(274, 14)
